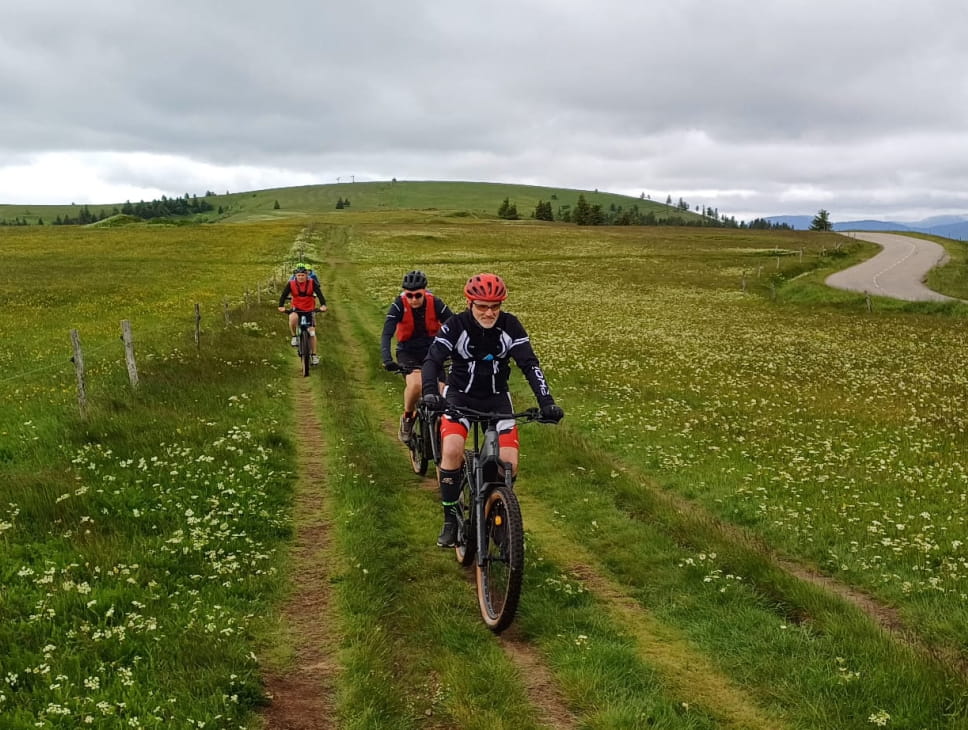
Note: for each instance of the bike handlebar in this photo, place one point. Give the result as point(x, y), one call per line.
point(472, 414)
point(300, 311)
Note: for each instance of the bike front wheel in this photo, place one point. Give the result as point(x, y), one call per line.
point(305, 352)
point(501, 568)
point(418, 446)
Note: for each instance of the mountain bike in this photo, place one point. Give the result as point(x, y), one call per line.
point(422, 444)
point(490, 533)
point(304, 345)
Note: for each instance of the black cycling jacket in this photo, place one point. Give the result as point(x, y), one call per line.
point(480, 358)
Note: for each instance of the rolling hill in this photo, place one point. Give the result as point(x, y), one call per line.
point(472, 199)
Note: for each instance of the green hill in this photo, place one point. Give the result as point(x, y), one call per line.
point(472, 199)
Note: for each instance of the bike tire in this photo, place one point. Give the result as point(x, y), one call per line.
point(305, 352)
point(416, 445)
point(466, 547)
point(500, 573)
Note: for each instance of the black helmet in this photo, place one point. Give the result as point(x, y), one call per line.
point(415, 280)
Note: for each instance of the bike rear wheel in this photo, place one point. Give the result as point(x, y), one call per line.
point(305, 352)
point(500, 572)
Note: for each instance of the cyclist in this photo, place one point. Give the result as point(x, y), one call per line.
point(414, 319)
point(304, 292)
point(479, 341)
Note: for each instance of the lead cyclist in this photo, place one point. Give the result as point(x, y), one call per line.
point(479, 342)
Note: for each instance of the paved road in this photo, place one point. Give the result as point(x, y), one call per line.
point(897, 271)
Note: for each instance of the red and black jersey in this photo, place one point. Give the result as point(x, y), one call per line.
point(413, 327)
point(303, 295)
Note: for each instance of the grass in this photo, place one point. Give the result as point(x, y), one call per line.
point(710, 431)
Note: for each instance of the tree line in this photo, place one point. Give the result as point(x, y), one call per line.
point(165, 207)
point(594, 214)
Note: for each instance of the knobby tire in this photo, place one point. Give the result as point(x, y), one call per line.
point(305, 352)
point(500, 574)
point(419, 440)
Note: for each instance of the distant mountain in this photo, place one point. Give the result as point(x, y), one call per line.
point(872, 225)
point(798, 222)
point(957, 231)
point(948, 226)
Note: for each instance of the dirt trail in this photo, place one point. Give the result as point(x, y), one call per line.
point(302, 694)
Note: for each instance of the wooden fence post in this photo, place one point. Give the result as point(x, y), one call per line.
point(129, 352)
point(225, 311)
point(198, 326)
point(867, 296)
point(78, 361)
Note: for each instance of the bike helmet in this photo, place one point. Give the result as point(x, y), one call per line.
point(486, 288)
point(300, 270)
point(413, 280)
point(302, 265)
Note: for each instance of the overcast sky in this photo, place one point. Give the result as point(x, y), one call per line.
point(753, 107)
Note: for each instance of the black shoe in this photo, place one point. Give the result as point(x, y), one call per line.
point(448, 535)
point(406, 429)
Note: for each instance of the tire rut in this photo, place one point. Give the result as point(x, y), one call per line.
point(539, 684)
point(685, 671)
point(302, 696)
point(886, 617)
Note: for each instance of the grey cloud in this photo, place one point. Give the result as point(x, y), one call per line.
point(745, 103)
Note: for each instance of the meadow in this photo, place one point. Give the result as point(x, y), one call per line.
point(753, 514)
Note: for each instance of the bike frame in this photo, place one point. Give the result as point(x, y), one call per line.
point(485, 465)
point(486, 456)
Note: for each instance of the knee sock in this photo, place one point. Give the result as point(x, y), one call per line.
point(449, 487)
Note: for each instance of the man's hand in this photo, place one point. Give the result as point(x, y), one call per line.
point(432, 402)
point(282, 309)
point(552, 413)
point(390, 366)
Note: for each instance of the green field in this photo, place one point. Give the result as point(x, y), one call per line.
point(752, 516)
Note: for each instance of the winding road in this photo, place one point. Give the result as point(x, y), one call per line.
point(897, 271)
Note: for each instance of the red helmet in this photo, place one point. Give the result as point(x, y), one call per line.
point(486, 288)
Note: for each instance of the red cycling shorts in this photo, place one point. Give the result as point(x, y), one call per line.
point(507, 436)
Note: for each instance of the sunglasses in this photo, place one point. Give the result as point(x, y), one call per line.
point(413, 294)
point(482, 307)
